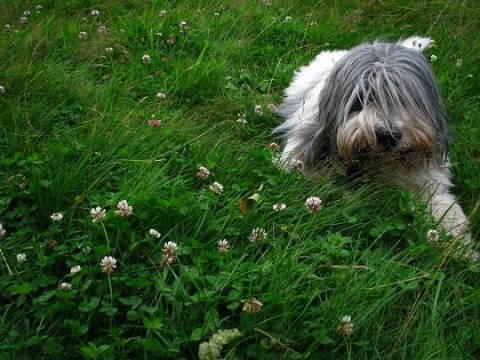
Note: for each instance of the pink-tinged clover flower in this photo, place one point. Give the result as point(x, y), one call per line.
point(169, 253)
point(171, 40)
point(146, 59)
point(313, 204)
point(123, 209)
point(203, 172)
point(251, 305)
point(223, 246)
point(345, 326)
point(97, 214)
point(274, 147)
point(155, 122)
point(108, 264)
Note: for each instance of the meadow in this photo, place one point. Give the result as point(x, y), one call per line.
point(142, 218)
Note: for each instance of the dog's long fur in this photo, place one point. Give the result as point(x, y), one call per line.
point(374, 108)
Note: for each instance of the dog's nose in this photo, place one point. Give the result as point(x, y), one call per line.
point(386, 138)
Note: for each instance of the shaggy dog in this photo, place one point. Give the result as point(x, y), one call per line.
point(374, 108)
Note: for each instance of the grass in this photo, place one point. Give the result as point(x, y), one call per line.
point(75, 135)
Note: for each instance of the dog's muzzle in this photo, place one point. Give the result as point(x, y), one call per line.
point(387, 139)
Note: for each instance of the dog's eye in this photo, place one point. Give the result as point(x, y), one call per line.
point(356, 106)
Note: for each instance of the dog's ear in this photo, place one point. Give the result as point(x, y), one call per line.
point(314, 146)
point(417, 43)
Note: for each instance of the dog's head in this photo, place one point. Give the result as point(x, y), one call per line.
point(380, 103)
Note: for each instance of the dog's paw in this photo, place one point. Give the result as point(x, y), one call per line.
point(418, 43)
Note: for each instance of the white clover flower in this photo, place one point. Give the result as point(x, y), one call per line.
point(56, 216)
point(258, 110)
point(154, 233)
point(257, 234)
point(21, 258)
point(108, 264)
point(2, 231)
point(345, 326)
point(279, 207)
point(433, 58)
point(183, 25)
point(287, 19)
point(23, 19)
point(210, 350)
point(216, 188)
point(161, 95)
point(267, 2)
point(66, 286)
point(459, 63)
point(86, 249)
point(123, 209)
point(94, 12)
point(297, 165)
point(432, 235)
point(27, 13)
point(159, 34)
point(97, 214)
point(109, 50)
point(102, 29)
point(146, 59)
point(313, 204)
point(82, 35)
point(242, 119)
point(38, 8)
point(170, 245)
point(203, 172)
point(76, 269)
point(163, 13)
point(2, 89)
point(8, 27)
